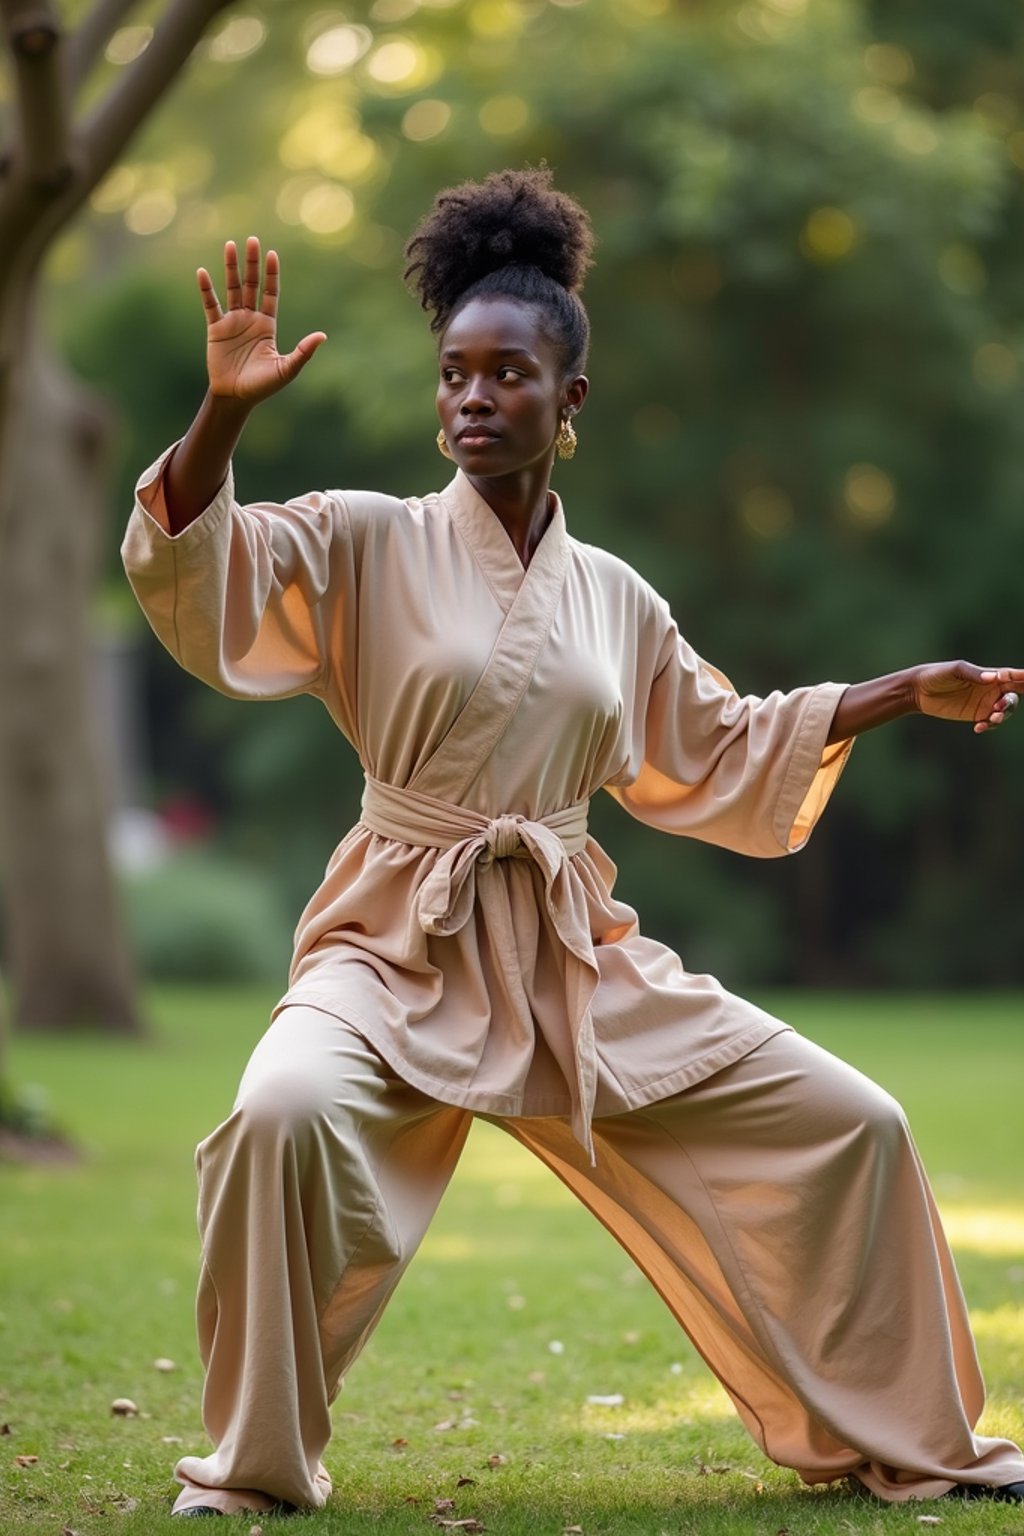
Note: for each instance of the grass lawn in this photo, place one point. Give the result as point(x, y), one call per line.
point(98, 1264)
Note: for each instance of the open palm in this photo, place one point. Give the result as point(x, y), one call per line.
point(242, 358)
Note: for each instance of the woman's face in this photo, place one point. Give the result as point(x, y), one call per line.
point(502, 390)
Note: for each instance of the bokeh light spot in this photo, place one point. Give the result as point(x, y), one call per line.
point(390, 11)
point(327, 208)
point(995, 365)
point(116, 190)
point(237, 40)
point(915, 136)
point(875, 104)
point(889, 63)
point(151, 211)
point(127, 43)
point(397, 62)
point(333, 51)
point(494, 18)
point(829, 235)
point(869, 494)
point(425, 120)
point(767, 511)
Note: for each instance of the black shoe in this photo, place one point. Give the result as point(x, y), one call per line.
point(1009, 1493)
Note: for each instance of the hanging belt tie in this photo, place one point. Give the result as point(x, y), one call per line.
point(446, 898)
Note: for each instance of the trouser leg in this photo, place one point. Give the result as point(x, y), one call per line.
point(313, 1196)
point(781, 1210)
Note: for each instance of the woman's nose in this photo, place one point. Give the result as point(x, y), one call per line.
point(476, 399)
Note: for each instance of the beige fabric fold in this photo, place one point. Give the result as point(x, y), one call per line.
point(446, 900)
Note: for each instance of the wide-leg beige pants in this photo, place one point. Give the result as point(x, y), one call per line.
point(779, 1208)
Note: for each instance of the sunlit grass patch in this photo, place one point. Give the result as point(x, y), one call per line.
point(518, 1310)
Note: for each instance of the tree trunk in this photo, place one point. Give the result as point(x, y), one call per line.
point(68, 961)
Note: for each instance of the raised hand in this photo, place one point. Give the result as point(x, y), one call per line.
point(956, 690)
point(242, 359)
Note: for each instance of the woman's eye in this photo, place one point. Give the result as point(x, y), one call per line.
point(504, 374)
point(449, 375)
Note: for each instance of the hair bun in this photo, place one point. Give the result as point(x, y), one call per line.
point(513, 218)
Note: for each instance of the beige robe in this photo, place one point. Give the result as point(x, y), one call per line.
point(494, 969)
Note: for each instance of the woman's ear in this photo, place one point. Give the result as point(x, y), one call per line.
point(575, 393)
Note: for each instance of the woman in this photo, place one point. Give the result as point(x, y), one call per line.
point(464, 953)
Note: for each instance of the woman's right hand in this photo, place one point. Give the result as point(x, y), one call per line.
point(241, 342)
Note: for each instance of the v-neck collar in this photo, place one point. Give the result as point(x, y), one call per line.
point(493, 550)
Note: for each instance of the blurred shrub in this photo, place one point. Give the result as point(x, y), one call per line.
point(203, 917)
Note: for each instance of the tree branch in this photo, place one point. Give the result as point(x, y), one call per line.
point(112, 123)
point(89, 37)
point(43, 138)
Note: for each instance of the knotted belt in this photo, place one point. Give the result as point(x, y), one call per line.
point(446, 898)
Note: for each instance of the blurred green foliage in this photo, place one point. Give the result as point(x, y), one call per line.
point(202, 917)
point(803, 428)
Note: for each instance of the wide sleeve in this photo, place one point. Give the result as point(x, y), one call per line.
point(750, 774)
point(255, 600)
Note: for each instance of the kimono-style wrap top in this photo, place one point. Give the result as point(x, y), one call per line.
point(466, 925)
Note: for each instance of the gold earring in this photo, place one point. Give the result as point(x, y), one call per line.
point(442, 443)
point(565, 442)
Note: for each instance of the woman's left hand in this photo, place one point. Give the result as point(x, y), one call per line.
point(957, 690)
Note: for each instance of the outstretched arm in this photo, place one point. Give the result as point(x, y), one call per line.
point(244, 367)
point(949, 690)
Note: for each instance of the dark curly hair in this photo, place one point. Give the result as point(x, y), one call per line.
point(511, 236)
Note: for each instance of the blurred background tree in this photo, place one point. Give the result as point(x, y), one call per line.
point(806, 370)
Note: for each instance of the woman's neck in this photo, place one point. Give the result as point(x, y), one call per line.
point(522, 503)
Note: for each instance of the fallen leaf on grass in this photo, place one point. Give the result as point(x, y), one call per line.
point(929, 1519)
point(124, 1408)
point(606, 1399)
point(66, 1530)
point(399, 1444)
point(171, 1440)
point(123, 1503)
point(496, 1460)
point(5, 1429)
point(572, 1530)
point(164, 1365)
point(255, 1530)
point(458, 1525)
point(466, 1482)
point(443, 1506)
point(410, 1498)
point(25, 1461)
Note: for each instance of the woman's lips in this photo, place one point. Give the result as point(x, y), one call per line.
point(476, 436)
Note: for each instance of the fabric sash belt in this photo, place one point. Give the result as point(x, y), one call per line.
point(446, 898)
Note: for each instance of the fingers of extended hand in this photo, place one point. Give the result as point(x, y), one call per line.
point(1003, 675)
point(211, 305)
point(251, 285)
point(271, 285)
point(1001, 710)
point(232, 281)
point(301, 354)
